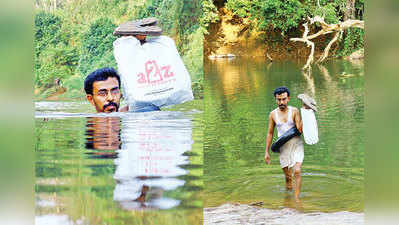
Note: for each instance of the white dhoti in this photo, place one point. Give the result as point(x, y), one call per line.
point(291, 152)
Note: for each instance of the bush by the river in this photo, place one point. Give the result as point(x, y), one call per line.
point(287, 16)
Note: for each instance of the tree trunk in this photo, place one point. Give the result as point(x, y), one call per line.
point(349, 13)
point(349, 10)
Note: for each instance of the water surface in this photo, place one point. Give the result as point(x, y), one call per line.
point(119, 168)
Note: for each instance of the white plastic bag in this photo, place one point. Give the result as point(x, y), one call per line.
point(152, 73)
point(310, 131)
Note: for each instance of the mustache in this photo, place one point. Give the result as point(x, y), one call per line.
point(282, 105)
point(111, 104)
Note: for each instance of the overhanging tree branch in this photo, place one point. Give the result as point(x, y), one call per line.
point(326, 28)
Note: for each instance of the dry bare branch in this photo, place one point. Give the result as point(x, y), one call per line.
point(325, 29)
point(305, 39)
point(327, 49)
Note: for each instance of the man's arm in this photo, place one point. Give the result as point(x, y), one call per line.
point(269, 138)
point(298, 120)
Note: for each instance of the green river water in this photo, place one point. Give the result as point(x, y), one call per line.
point(120, 168)
point(94, 168)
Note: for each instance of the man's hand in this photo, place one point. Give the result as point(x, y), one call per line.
point(267, 158)
point(124, 109)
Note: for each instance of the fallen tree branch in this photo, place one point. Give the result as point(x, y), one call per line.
point(326, 28)
point(309, 43)
point(327, 49)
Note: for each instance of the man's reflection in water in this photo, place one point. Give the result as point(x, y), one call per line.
point(148, 155)
point(103, 136)
point(290, 202)
point(103, 133)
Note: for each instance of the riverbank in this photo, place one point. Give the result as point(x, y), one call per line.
point(246, 214)
point(242, 36)
point(233, 35)
point(59, 93)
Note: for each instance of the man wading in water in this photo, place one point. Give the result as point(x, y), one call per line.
point(291, 153)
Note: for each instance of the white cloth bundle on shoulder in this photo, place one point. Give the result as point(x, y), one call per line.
point(152, 73)
point(310, 131)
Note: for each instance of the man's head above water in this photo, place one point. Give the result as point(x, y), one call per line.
point(282, 96)
point(102, 89)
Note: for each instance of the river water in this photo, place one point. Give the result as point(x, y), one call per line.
point(119, 168)
point(238, 99)
point(163, 167)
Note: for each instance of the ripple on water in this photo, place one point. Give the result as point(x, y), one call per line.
point(117, 161)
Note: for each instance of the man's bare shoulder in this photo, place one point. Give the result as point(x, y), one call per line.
point(295, 112)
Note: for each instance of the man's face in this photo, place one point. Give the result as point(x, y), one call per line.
point(282, 100)
point(106, 95)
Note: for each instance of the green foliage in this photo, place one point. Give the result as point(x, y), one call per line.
point(354, 40)
point(209, 15)
point(193, 60)
point(189, 15)
point(276, 14)
point(76, 37)
point(149, 9)
point(54, 59)
point(241, 8)
point(75, 86)
point(165, 10)
point(198, 88)
point(55, 63)
point(47, 30)
point(193, 54)
point(327, 10)
point(97, 46)
point(287, 16)
point(47, 34)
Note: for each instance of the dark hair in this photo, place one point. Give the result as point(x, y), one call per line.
point(100, 75)
point(280, 90)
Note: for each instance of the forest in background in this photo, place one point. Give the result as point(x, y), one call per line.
point(74, 37)
point(260, 26)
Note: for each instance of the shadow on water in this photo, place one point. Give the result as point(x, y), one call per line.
point(123, 168)
point(239, 97)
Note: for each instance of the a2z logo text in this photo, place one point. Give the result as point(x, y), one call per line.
point(154, 73)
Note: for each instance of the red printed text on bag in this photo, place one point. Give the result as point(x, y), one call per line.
point(154, 73)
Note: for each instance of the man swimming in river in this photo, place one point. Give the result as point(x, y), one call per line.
point(292, 152)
